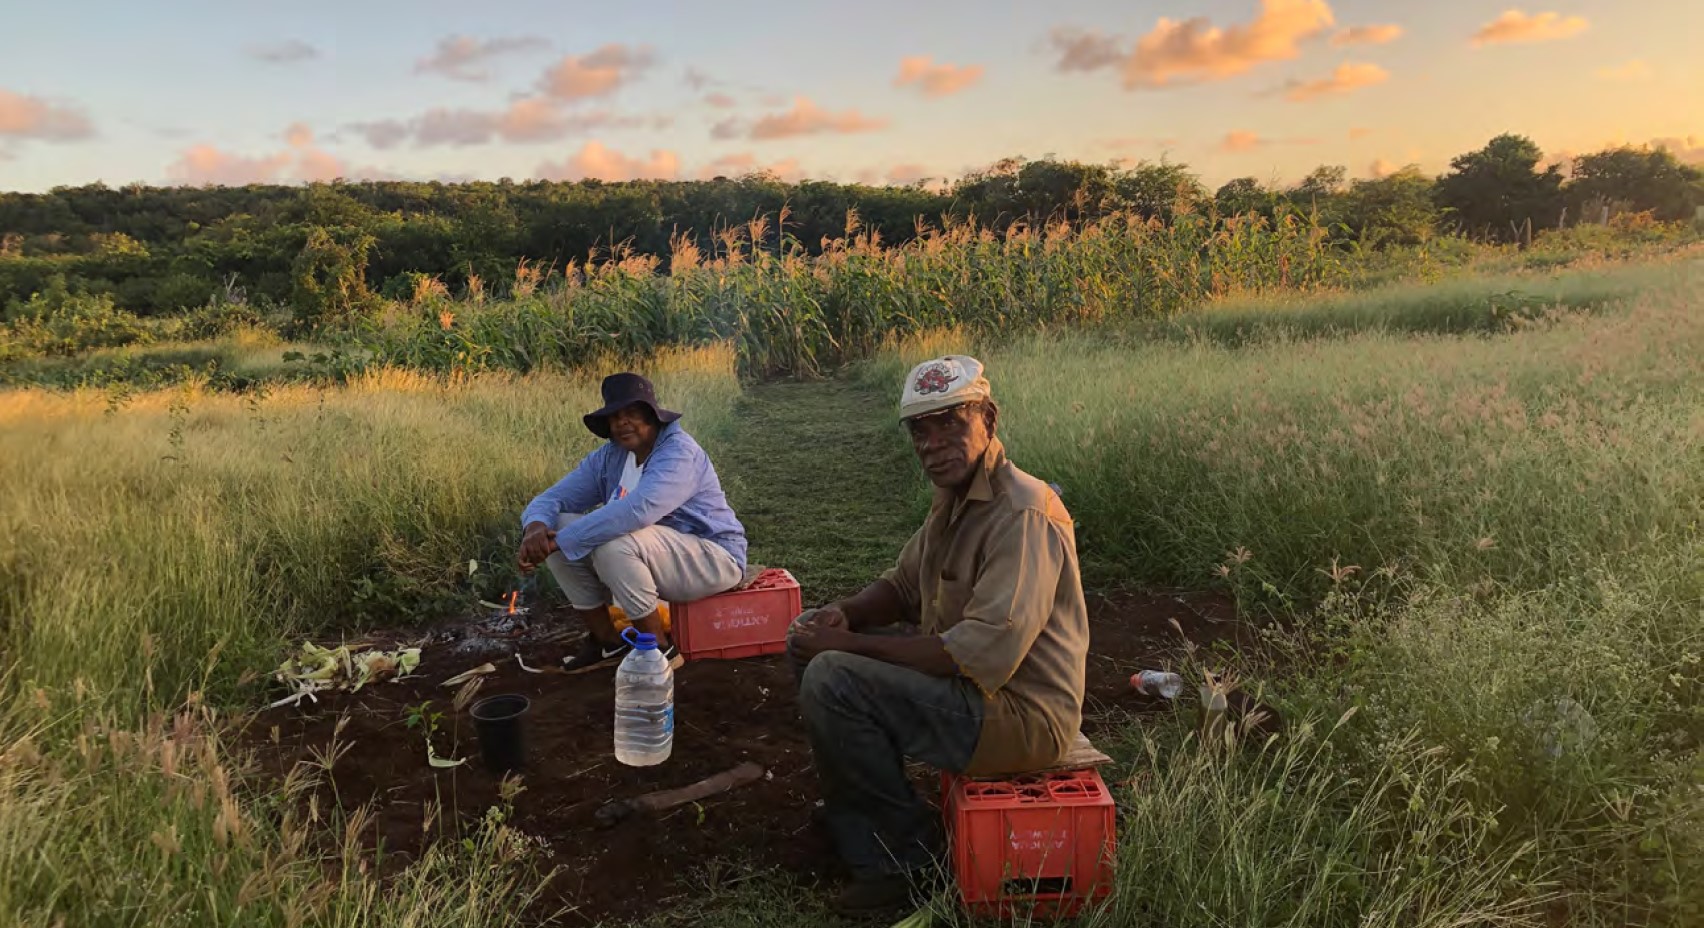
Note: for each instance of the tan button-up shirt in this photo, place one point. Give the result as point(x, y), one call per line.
point(994, 573)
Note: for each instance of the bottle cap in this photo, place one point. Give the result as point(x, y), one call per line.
point(641, 641)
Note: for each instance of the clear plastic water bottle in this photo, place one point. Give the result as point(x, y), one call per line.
point(644, 703)
point(1157, 683)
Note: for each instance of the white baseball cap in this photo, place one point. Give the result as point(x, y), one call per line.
point(941, 384)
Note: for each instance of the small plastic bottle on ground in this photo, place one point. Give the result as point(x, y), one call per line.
point(1157, 683)
point(644, 703)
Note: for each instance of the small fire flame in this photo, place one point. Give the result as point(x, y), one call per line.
point(512, 597)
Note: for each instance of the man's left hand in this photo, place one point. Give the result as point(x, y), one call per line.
point(812, 638)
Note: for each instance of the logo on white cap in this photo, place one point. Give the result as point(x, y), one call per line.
point(937, 377)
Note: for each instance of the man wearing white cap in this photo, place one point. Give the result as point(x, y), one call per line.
point(968, 655)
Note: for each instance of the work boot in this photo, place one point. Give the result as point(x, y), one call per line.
point(874, 895)
point(594, 654)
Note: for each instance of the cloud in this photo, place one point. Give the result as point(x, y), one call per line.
point(1367, 35)
point(289, 51)
point(1124, 142)
point(525, 121)
point(1241, 140)
point(904, 175)
point(301, 161)
point(383, 134)
point(1081, 50)
point(459, 57)
point(1196, 50)
point(1349, 77)
point(698, 80)
point(200, 165)
point(599, 74)
point(1381, 168)
point(24, 117)
point(805, 118)
point(936, 80)
point(1635, 70)
point(720, 101)
point(1238, 141)
point(1689, 150)
point(1359, 132)
point(1517, 26)
point(742, 163)
point(598, 161)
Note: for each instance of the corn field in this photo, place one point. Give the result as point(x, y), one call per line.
point(790, 314)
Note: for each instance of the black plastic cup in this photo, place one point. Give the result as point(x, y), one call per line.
point(498, 721)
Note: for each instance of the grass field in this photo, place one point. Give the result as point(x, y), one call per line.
point(1480, 539)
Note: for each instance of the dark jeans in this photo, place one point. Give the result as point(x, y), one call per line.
point(865, 718)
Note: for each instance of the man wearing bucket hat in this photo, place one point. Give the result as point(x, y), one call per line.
point(640, 521)
point(968, 655)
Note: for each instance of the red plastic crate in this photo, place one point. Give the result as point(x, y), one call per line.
point(1045, 842)
point(744, 623)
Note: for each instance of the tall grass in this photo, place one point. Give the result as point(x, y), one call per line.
point(1515, 460)
point(182, 523)
point(1486, 547)
point(1486, 304)
point(154, 551)
point(142, 824)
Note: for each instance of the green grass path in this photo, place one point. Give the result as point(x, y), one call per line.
point(823, 481)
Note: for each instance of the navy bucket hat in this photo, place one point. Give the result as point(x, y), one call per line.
point(621, 391)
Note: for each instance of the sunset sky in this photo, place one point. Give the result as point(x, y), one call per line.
point(174, 91)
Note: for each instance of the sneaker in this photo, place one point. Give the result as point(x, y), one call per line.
point(672, 655)
point(594, 654)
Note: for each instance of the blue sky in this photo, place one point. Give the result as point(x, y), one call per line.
point(174, 91)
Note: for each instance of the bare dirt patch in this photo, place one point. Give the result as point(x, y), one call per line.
point(727, 712)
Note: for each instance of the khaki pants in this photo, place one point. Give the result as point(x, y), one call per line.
point(637, 571)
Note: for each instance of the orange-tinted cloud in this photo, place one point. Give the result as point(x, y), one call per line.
point(524, 121)
point(23, 117)
point(1349, 77)
point(603, 72)
point(1359, 132)
point(1238, 141)
point(936, 80)
point(1382, 168)
point(1635, 70)
point(1196, 50)
point(298, 135)
point(320, 167)
point(289, 51)
point(1367, 35)
point(904, 175)
point(1689, 150)
point(461, 57)
point(302, 161)
point(720, 101)
point(742, 163)
point(598, 161)
point(200, 165)
point(805, 118)
point(1518, 26)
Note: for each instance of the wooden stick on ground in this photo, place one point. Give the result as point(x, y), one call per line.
point(616, 810)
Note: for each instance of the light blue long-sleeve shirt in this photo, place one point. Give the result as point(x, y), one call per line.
point(678, 489)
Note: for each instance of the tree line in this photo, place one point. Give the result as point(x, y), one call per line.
point(158, 250)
